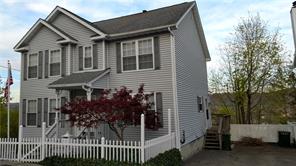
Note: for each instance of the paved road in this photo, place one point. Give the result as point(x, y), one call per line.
point(267, 155)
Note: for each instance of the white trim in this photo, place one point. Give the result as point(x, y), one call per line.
point(137, 54)
point(49, 74)
point(90, 70)
point(66, 85)
point(98, 37)
point(66, 41)
point(27, 112)
point(69, 59)
point(92, 56)
point(100, 76)
point(142, 30)
point(74, 18)
point(25, 48)
point(28, 65)
point(184, 15)
point(175, 95)
point(104, 54)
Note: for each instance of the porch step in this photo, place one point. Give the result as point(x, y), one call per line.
point(212, 147)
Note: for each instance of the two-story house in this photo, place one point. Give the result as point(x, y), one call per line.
point(65, 57)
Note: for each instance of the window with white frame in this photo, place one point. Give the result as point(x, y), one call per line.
point(156, 107)
point(51, 112)
point(88, 57)
point(129, 59)
point(32, 113)
point(137, 55)
point(145, 54)
point(55, 63)
point(33, 66)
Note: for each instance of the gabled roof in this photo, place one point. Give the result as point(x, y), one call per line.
point(36, 26)
point(75, 17)
point(78, 79)
point(166, 16)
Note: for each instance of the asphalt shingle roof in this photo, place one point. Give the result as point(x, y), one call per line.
point(78, 78)
point(149, 19)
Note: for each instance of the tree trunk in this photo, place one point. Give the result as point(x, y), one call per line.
point(249, 102)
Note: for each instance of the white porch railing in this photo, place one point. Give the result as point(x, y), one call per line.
point(36, 149)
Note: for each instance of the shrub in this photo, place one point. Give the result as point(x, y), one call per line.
point(249, 141)
point(168, 158)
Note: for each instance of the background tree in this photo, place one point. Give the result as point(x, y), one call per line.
point(3, 117)
point(252, 60)
point(119, 110)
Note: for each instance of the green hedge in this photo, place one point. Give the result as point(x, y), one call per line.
point(168, 158)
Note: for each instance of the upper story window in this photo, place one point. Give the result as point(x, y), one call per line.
point(88, 57)
point(32, 113)
point(145, 54)
point(129, 58)
point(55, 63)
point(33, 65)
point(137, 55)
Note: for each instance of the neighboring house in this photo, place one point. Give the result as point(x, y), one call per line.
point(293, 20)
point(65, 56)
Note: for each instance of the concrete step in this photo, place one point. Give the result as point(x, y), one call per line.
point(212, 143)
point(212, 148)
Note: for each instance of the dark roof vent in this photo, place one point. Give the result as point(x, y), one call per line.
point(294, 4)
point(144, 11)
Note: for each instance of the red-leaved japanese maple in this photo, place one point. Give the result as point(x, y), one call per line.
point(119, 110)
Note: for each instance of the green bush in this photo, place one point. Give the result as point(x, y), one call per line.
point(168, 158)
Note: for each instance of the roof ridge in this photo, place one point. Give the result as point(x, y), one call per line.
point(148, 11)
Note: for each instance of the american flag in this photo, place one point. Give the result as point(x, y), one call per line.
point(8, 82)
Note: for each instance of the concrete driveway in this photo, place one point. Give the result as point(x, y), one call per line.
point(267, 155)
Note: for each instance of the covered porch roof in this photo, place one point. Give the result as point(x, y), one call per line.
point(91, 79)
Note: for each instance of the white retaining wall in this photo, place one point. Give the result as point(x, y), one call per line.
point(268, 132)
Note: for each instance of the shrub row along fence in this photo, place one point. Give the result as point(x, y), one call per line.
point(36, 149)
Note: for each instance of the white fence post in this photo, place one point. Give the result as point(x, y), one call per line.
point(102, 147)
point(142, 138)
point(19, 152)
point(43, 141)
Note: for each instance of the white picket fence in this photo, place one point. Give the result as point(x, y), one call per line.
point(36, 149)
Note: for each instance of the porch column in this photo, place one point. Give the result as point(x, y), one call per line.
point(88, 97)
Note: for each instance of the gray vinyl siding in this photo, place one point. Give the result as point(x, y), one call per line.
point(191, 79)
point(154, 80)
point(80, 33)
point(32, 89)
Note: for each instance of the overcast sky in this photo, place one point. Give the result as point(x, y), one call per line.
point(218, 19)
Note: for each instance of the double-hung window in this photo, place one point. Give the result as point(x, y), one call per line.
point(55, 63)
point(33, 66)
point(129, 59)
point(88, 57)
point(145, 54)
point(32, 113)
point(156, 109)
point(137, 55)
point(51, 112)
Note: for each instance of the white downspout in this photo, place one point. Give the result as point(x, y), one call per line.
point(293, 22)
point(174, 82)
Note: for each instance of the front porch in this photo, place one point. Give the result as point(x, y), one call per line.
point(86, 85)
